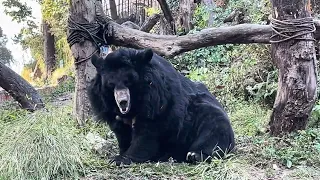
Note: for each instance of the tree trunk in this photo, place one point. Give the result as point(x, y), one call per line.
point(83, 11)
point(210, 4)
point(186, 10)
point(296, 60)
point(113, 9)
point(49, 50)
point(20, 89)
point(165, 28)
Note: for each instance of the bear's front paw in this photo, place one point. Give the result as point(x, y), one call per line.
point(195, 157)
point(120, 159)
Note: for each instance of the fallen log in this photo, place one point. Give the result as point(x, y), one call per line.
point(21, 91)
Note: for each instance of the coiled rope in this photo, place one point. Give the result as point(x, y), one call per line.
point(286, 30)
point(79, 32)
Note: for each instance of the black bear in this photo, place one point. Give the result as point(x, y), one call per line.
point(155, 112)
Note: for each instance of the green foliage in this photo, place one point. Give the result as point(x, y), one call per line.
point(203, 57)
point(19, 11)
point(265, 89)
point(151, 11)
point(65, 87)
point(256, 11)
point(201, 16)
point(55, 13)
point(315, 116)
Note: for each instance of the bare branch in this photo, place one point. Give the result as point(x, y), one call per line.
point(150, 22)
point(167, 14)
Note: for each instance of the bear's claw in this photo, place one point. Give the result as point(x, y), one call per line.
point(119, 159)
point(193, 157)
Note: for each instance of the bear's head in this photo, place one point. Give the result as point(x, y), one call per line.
point(119, 73)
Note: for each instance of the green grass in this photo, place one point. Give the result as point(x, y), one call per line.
point(41, 145)
point(249, 118)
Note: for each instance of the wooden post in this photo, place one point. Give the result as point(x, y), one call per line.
point(296, 60)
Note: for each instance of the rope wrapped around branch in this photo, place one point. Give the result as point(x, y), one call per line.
point(286, 30)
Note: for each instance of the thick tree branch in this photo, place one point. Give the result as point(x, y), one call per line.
point(20, 89)
point(130, 25)
point(169, 46)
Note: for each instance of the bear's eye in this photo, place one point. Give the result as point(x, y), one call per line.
point(126, 82)
point(131, 77)
point(110, 84)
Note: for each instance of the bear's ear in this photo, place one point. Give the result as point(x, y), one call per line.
point(145, 56)
point(96, 61)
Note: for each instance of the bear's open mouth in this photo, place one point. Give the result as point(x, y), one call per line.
point(122, 97)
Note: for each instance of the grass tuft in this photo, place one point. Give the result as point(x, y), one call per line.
point(41, 145)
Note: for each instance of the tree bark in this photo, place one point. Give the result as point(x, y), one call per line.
point(20, 89)
point(170, 46)
point(49, 50)
point(296, 60)
point(113, 9)
point(210, 4)
point(167, 14)
point(186, 10)
point(222, 3)
point(83, 11)
point(150, 22)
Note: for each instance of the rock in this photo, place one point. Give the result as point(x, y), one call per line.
point(97, 143)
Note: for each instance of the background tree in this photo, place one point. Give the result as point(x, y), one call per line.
point(15, 85)
point(56, 57)
point(296, 60)
point(49, 49)
point(5, 53)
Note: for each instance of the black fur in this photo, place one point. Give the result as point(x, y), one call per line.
point(174, 116)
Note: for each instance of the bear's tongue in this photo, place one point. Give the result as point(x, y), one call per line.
point(124, 110)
